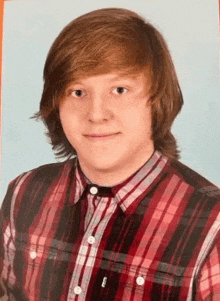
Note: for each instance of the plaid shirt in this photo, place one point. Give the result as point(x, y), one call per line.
point(153, 237)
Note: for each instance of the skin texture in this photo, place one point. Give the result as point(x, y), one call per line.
point(108, 104)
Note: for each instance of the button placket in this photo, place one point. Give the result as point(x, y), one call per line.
point(89, 239)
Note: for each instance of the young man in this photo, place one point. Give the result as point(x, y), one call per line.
point(121, 219)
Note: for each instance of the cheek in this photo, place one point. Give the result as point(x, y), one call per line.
point(139, 116)
point(68, 121)
point(67, 113)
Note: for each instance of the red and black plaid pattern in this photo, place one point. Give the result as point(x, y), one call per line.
point(153, 237)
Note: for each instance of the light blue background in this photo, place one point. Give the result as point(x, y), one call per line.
point(191, 30)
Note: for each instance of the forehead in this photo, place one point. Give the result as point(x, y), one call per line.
point(140, 76)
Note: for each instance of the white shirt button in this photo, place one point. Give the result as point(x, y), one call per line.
point(77, 290)
point(33, 254)
point(93, 190)
point(140, 280)
point(91, 240)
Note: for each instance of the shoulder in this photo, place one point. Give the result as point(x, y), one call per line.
point(52, 169)
point(46, 172)
point(35, 183)
point(193, 179)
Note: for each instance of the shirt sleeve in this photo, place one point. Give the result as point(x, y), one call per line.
point(7, 247)
point(208, 286)
point(2, 288)
point(3, 264)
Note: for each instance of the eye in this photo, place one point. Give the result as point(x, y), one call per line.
point(120, 90)
point(77, 93)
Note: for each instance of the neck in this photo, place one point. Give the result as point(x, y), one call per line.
point(108, 177)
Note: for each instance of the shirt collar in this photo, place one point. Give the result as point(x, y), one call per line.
point(128, 193)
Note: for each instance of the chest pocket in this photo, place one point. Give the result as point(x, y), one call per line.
point(40, 269)
point(133, 283)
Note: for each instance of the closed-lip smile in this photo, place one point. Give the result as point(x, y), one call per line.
point(99, 136)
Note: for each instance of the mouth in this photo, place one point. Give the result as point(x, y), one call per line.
point(101, 136)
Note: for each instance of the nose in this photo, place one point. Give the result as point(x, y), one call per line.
point(98, 109)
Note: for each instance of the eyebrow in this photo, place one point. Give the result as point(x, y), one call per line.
point(118, 77)
point(122, 77)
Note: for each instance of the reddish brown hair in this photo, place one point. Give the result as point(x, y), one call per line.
point(103, 41)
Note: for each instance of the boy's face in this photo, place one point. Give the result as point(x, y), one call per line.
point(107, 119)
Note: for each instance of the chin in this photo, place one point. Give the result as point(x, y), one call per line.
point(104, 164)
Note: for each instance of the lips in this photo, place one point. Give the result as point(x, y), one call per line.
point(100, 136)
